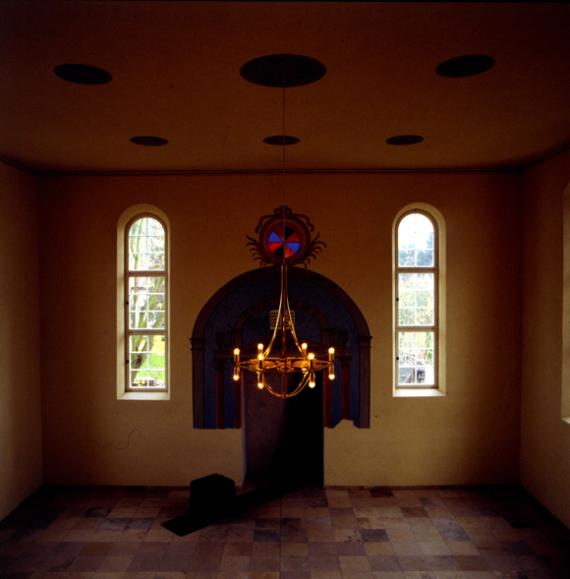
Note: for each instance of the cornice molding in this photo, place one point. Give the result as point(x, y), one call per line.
point(516, 168)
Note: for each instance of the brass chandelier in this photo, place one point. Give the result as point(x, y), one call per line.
point(284, 355)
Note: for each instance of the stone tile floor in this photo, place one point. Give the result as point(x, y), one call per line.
point(319, 534)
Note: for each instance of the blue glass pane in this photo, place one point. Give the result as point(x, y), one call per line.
point(294, 246)
point(274, 237)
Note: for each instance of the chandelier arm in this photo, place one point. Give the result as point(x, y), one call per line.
point(271, 342)
point(276, 329)
point(287, 307)
point(284, 321)
point(269, 389)
point(300, 386)
point(293, 333)
point(283, 394)
point(319, 364)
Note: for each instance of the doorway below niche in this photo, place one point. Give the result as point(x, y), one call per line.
point(283, 439)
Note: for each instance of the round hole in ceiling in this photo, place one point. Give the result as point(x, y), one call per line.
point(281, 140)
point(404, 139)
point(465, 65)
point(82, 73)
point(149, 141)
point(283, 70)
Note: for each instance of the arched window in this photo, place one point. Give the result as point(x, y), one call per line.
point(418, 301)
point(144, 328)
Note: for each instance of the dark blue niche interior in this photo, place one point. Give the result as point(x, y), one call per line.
point(238, 314)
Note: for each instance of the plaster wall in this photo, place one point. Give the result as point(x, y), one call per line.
point(545, 437)
point(20, 408)
point(471, 435)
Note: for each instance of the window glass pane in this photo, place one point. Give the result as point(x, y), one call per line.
point(146, 245)
point(416, 241)
point(416, 299)
point(147, 300)
point(416, 359)
point(147, 362)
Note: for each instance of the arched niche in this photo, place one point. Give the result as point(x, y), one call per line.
point(238, 314)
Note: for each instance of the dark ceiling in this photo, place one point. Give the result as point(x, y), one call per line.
point(175, 70)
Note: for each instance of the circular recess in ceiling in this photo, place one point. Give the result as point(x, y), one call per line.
point(404, 140)
point(465, 65)
point(149, 141)
point(82, 73)
point(283, 70)
point(281, 140)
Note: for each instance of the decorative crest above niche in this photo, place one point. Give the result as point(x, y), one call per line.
point(285, 238)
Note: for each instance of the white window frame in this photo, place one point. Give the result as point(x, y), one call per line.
point(438, 269)
point(130, 216)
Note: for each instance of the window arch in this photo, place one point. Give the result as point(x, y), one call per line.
point(143, 297)
point(418, 301)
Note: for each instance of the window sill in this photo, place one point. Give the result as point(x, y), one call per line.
point(144, 396)
point(567, 420)
point(418, 393)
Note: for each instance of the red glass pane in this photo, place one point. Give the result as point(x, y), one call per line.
point(273, 247)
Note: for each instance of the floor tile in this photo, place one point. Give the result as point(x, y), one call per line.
point(235, 563)
point(372, 548)
point(374, 535)
point(349, 563)
point(265, 563)
point(292, 563)
point(115, 564)
point(384, 563)
point(434, 547)
point(295, 549)
point(471, 563)
point(378, 533)
point(329, 563)
point(325, 574)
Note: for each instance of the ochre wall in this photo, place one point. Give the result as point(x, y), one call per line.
point(545, 438)
point(20, 408)
point(469, 436)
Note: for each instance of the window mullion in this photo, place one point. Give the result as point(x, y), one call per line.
point(402, 269)
point(147, 273)
point(142, 332)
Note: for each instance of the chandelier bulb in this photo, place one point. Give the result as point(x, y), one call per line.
point(311, 356)
point(331, 376)
point(236, 377)
point(236, 351)
point(260, 347)
point(260, 385)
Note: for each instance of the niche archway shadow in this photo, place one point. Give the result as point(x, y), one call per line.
point(237, 314)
